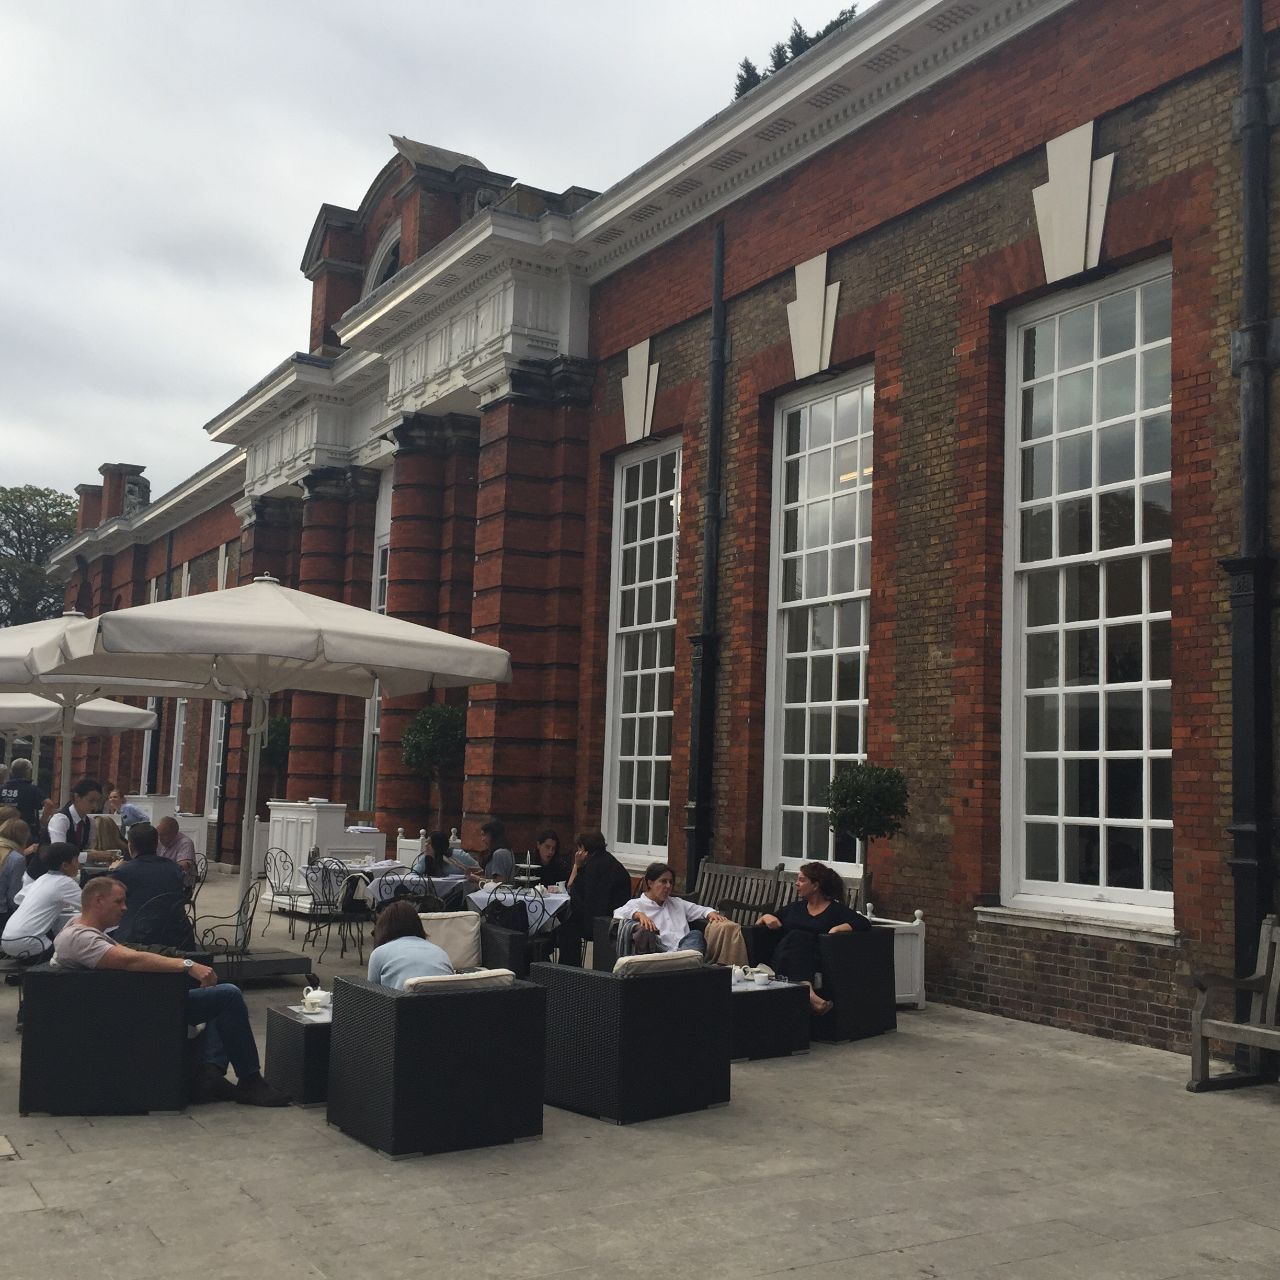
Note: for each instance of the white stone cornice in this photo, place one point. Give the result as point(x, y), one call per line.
point(211, 485)
point(873, 65)
point(296, 381)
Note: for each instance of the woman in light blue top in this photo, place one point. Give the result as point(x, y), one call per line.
point(401, 950)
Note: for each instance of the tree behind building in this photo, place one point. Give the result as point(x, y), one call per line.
point(33, 521)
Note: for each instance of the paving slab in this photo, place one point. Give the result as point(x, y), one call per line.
point(962, 1147)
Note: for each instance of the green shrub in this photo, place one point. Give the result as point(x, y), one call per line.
point(867, 801)
point(435, 739)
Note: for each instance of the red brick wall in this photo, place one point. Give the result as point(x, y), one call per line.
point(925, 299)
point(1008, 104)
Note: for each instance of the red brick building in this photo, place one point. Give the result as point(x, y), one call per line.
point(890, 414)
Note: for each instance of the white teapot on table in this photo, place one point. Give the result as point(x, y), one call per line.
point(316, 999)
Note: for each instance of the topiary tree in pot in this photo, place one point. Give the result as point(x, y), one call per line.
point(867, 801)
point(434, 744)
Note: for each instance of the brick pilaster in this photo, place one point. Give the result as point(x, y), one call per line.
point(430, 571)
point(530, 515)
point(321, 571)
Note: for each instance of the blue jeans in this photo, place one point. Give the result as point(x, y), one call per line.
point(646, 943)
point(227, 1035)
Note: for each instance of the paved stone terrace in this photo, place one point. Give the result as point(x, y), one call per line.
point(963, 1146)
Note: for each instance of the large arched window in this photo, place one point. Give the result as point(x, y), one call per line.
point(385, 260)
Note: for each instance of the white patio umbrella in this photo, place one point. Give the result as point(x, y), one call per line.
point(32, 654)
point(30, 713)
point(265, 639)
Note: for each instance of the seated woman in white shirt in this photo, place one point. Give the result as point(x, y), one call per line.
point(666, 923)
point(401, 950)
point(45, 905)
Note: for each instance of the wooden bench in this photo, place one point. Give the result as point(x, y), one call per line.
point(744, 894)
point(1260, 1034)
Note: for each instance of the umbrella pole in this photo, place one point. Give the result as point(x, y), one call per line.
point(257, 728)
point(64, 768)
point(35, 758)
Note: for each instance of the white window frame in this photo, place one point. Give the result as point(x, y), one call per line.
point(1139, 907)
point(773, 724)
point(378, 589)
point(631, 855)
point(213, 774)
point(179, 734)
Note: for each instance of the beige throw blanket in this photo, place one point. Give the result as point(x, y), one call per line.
point(725, 944)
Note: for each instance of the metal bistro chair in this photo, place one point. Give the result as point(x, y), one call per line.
point(333, 902)
point(15, 970)
point(226, 938)
point(280, 880)
point(164, 921)
point(197, 883)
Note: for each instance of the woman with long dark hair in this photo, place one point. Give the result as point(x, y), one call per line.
point(553, 867)
point(401, 950)
point(819, 908)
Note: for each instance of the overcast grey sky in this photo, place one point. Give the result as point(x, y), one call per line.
point(163, 163)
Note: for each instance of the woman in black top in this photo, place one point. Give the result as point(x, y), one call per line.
point(598, 885)
point(820, 909)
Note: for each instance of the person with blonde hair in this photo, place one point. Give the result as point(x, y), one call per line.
point(15, 849)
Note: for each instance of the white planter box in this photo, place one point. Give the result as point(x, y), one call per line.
point(908, 955)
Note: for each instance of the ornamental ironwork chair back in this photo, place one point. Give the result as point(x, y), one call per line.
point(333, 902)
point(164, 921)
point(226, 938)
point(197, 882)
point(15, 969)
point(280, 880)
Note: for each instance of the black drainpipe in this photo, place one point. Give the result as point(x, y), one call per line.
point(706, 644)
point(1250, 573)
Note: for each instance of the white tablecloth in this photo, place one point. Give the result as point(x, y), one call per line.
point(382, 886)
point(543, 908)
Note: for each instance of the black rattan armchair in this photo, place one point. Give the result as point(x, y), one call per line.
point(856, 972)
point(103, 1042)
point(393, 1055)
point(635, 1048)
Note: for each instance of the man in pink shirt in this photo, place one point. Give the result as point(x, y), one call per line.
point(177, 848)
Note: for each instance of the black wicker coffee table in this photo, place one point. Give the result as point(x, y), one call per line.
point(770, 1021)
point(298, 1055)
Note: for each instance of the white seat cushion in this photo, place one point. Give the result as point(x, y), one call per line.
point(658, 962)
point(480, 980)
point(458, 933)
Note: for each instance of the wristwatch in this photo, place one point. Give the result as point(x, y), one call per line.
point(188, 964)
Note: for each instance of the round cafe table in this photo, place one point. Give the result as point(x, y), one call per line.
point(543, 909)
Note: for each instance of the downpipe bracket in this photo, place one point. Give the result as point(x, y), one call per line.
point(1243, 113)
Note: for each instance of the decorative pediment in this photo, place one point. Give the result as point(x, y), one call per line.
point(1071, 208)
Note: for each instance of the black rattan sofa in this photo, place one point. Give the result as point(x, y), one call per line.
point(635, 1048)
point(395, 1060)
point(103, 1042)
point(857, 977)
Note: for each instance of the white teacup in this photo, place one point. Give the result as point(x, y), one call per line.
point(760, 979)
point(316, 999)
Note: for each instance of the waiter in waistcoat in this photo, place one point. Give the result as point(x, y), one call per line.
point(73, 824)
